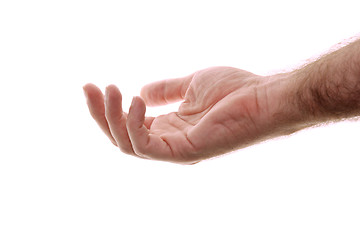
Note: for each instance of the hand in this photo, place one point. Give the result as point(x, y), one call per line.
point(224, 109)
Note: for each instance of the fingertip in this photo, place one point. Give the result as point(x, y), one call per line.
point(90, 87)
point(85, 89)
point(133, 102)
point(143, 91)
point(141, 102)
point(87, 85)
point(137, 111)
point(85, 92)
point(92, 92)
point(137, 103)
point(111, 88)
point(112, 91)
point(144, 96)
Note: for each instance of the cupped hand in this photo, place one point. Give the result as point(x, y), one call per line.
point(223, 109)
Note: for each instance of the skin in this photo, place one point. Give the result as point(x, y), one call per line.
point(224, 109)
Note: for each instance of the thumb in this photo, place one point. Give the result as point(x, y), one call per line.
point(165, 91)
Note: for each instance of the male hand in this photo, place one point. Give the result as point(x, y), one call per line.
point(223, 109)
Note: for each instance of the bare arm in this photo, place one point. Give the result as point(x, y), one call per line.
point(225, 109)
point(329, 88)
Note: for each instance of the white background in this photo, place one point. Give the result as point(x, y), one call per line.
point(60, 177)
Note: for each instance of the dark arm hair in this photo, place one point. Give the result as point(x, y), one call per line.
point(329, 88)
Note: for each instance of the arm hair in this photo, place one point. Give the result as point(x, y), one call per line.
point(329, 88)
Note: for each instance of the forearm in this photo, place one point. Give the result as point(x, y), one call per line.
point(329, 88)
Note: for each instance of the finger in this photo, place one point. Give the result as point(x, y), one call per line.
point(148, 121)
point(144, 143)
point(165, 91)
point(117, 119)
point(95, 102)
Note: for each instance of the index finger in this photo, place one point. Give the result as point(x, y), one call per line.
point(165, 91)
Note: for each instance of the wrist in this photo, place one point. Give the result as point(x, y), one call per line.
point(284, 108)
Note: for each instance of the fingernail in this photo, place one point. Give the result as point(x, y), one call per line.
point(132, 102)
point(106, 95)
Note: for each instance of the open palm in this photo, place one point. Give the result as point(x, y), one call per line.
point(223, 109)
